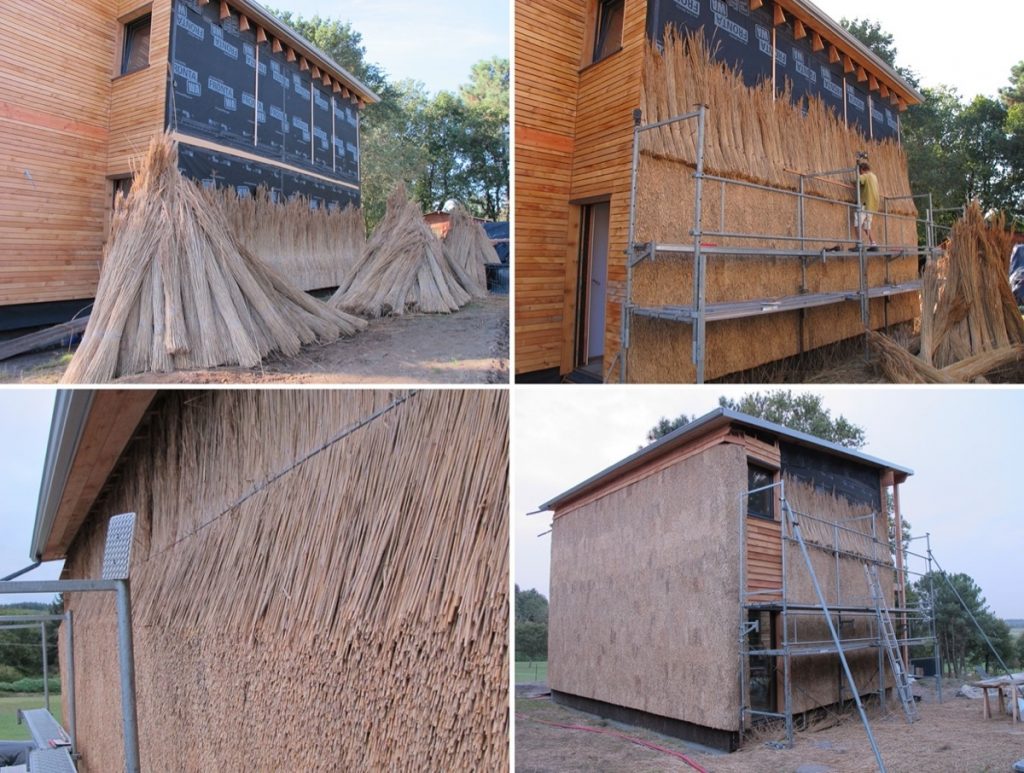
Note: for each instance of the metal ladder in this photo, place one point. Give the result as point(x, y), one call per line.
point(890, 643)
point(793, 522)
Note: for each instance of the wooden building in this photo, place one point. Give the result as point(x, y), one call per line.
point(582, 69)
point(663, 563)
point(319, 579)
point(251, 102)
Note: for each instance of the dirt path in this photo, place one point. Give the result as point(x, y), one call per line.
point(468, 347)
point(949, 736)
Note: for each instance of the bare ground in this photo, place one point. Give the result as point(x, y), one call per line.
point(951, 736)
point(468, 347)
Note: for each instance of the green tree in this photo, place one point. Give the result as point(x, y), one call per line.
point(665, 426)
point(882, 43)
point(803, 413)
point(1014, 93)
point(531, 606)
point(531, 641)
point(1020, 650)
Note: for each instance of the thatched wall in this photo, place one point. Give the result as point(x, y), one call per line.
point(348, 614)
point(751, 137)
point(644, 593)
point(816, 679)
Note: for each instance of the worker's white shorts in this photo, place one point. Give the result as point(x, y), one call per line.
point(862, 220)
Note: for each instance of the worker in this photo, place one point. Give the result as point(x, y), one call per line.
point(869, 200)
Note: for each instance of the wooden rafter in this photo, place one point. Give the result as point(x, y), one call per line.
point(817, 44)
point(275, 46)
point(872, 83)
point(335, 87)
point(847, 64)
point(303, 64)
point(778, 16)
point(315, 72)
point(833, 54)
point(799, 31)
point(755, 4)
point(225, 12)
point(290, 55)
point(325, 79)
point(261, 35)
point(243, 22)
point(902, 105)
point(862, 74)
point(883, 91)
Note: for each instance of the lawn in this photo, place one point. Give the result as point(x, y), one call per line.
point(532, 672)
point(10, 730)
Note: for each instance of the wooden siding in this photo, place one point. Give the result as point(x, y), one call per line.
point(573, 143)
point(137, 100)
point(549, 42)
point(55, 68)
point(764, 556)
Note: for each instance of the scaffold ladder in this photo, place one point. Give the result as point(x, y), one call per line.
point(890, 643)
point(793, 523)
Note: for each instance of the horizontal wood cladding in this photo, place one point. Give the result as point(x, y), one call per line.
point(763, 556)
point(138, 99)
point(549, 40)
point(53, 147)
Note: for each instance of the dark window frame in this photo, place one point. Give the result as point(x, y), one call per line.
point(756, 502)
point(131, 29)
point(607, 10)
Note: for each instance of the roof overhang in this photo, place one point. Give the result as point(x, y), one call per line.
point(717, 419)
point(275, 28)
point(88, 433)
point(815, 20)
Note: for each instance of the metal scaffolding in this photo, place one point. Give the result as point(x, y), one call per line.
point(698, 312)
point(774, 622)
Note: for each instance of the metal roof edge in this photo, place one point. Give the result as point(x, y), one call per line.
point(676, 437)
point(70, 411)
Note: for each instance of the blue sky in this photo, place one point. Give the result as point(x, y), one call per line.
point(963, 445)
point(435, 43)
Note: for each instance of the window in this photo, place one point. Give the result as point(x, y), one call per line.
point(122, 187)
point(762, 667)
point(608, 32)
point(760, 503)
point(136, 45)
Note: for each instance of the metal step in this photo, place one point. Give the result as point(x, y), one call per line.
point(50, 761)
point(43, 728)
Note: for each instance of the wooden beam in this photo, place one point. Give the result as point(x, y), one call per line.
point(303, 64)
point(847, 64)
point(816, 42)
point(325, 79)
point(799, 31)
point(290, 55)
point(893, 99)
point(315, 72)
point(902, 105)
point(243, 22)
point(778, 17)
point(336, 87)
point(883, 91)
point(261, 35)
point(755, 4)
point(345, 92)
point(203, 2)
point(862, 74)
point(275, 46)
point(361, 104)
point(872, 83)
point(225, 12)
point(833, 54)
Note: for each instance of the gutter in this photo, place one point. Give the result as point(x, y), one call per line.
point(70, 412)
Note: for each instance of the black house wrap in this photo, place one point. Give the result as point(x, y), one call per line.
point(858, 483)
point(281, 114)
point(743, 39)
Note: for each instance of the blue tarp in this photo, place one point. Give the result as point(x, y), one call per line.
point(1017, 273)
point(499, 231)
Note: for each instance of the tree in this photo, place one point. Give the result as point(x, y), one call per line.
point(665, 426)
point(803, 413)
point(531, 625)
point(1014, 93)
point(1020, 650)
point(880, 42)
point(531, 606)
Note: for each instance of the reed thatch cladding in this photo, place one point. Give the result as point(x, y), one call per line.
point(404, 267)
point(752, 133)
point(469, 250)
point(178, 290)
point(314, 248)
point(975, 311)
point(320, 583)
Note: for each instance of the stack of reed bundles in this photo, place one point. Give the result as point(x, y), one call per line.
point(178, 290)
point(314, 248)
point(361, 591)
point(404, 267)
point(469, 250)
point(970, 323)
point(753, 134)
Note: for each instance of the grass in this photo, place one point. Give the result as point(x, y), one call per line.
point(10, 730)
point(532, 672)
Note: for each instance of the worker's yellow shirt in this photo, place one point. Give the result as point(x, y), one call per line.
point(869, 196)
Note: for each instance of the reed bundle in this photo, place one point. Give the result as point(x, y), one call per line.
point(404, 267)
point(177, 290)
point(355, 597)
point(752, 133)
point(975, 311)
point(901, 367)
point(469, 250)
point(314, 248)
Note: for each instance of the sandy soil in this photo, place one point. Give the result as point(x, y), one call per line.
point(948, 737)
point(468, 347)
